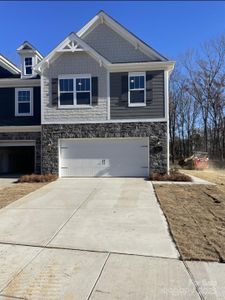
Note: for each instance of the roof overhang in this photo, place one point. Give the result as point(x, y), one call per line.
point(143, 66)
point(5, 63)
point(26, 47)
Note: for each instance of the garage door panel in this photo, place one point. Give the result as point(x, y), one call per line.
point(104, 157)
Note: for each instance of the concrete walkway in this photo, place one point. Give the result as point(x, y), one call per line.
point(7, 182)
point(96, 239)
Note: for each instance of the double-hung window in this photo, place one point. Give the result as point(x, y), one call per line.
point(28, 66)
point(75, 91)
point(24, 102)
point(136, 89)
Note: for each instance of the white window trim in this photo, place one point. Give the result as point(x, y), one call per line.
point(74, 77)
point(25, 66)
point(31, 113)
point(131, 74)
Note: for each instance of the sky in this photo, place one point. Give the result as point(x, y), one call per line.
point(171, 27)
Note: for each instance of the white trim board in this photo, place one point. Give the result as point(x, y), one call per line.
point(18, 82)
point(106, 121)
point(16, 143)
point(20, 129)
point(5, 63)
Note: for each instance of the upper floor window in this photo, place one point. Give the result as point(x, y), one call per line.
point(24, 102)
point(75, 90)
point(28, 66)
point(136, 89)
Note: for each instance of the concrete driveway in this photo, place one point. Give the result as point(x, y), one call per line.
point(91, 239)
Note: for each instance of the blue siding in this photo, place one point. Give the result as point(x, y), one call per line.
point(7, 109)
point(6, 74)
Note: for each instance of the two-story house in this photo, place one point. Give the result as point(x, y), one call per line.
point(20, 111)
point(104, 104)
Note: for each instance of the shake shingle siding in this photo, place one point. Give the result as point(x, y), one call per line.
point(75, 63)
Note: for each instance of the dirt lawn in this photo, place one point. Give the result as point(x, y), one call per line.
point(17, 191)
point(215, 176)
point(196, 216)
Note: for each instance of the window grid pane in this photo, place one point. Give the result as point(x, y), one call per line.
point(83, 84)
point(136, 82)
point(28, 61)
point(66, 85)
point(24, 96)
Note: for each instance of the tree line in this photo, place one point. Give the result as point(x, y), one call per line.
point(197, 102)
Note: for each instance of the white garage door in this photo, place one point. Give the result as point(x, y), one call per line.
point(103, 157)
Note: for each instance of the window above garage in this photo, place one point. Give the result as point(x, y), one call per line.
point(137, 89)
point(75, 91)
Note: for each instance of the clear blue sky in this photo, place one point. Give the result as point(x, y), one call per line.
point(170, 27)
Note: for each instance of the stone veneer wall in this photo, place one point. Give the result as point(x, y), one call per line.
point(34, 136)
point(155, 131)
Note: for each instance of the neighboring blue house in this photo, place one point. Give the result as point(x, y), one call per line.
point(97, 105)
point(20, 113)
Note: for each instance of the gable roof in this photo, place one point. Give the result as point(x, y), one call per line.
point(27, 47)
point(102, 17)
point(75, 42)
point(72, 43)
point(8, 65)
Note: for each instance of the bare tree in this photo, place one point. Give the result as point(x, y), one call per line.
point(197, 107)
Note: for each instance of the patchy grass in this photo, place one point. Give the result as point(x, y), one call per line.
point(17, 191)
point(37, 178)
point(173, 176)
point(196, 217)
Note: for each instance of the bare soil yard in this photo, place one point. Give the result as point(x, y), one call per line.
point(215, 176)
point(196, 216)
point(17, 191)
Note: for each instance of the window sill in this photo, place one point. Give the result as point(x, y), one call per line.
point(137, 104)
point(24, 115)
point(75, 106)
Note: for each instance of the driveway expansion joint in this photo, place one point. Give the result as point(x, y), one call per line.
point(73, 213)
point(90, 250)
point(193, 280)
point(99, 276)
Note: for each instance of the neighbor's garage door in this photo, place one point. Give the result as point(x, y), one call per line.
point(104, 157)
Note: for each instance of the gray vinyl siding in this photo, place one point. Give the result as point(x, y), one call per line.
point(155, 100)
point(113, 46)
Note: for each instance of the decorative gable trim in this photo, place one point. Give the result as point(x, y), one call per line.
point(102, 17)
point(71, 44)
point(9, 66)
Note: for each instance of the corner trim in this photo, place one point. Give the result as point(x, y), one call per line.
point(166, 88)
